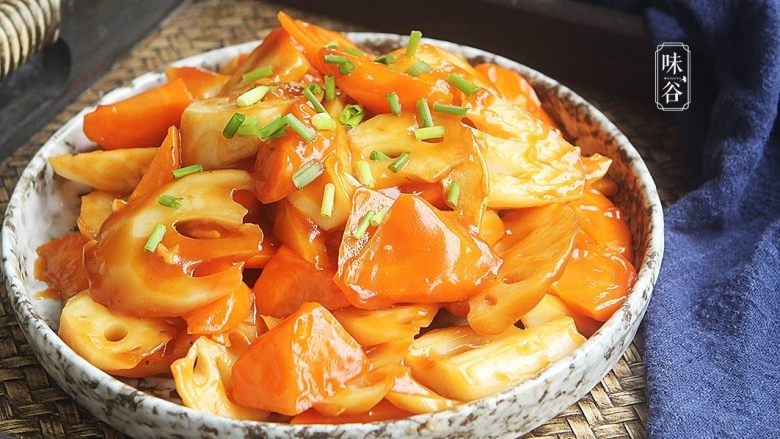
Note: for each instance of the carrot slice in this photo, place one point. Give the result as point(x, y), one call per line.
point(603, 222)
point(312, 37)
point(138, 121)
point(288, 281)
point(201, 83)
point(298, 363)
point(160, 171)
point(60, 265)
point(595, 280)
point(221, 315)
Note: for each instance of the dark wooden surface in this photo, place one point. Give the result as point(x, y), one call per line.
point(94, 34)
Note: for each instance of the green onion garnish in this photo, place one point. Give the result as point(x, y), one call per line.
point(333, 44)
point(256, 74)
point(307, 173)
point(453, 193)
point(378, 155)
point(363, 226)
point(351, 115)
point(462, 84)
point(424, 113)
point(183, 172)
point(305, 132)
point(232, 126)
point(414, 40)
point(428, 133)
point(394, 102)
point(155, 238)
point(323, 121)
point(377, 219)
point(364, 173)
point(335, 59)
point(169, 201)
point(385, 59)
point(399, 162)
point(418, 68)
point(328, 199)
point(330, 88)
point(346, 68)
point(276, 125)
point(314, 87)
point(281, 132)
point(253, 96)
point(249, 127)
point(450, 109)
point(354, 51)
point(314, 101)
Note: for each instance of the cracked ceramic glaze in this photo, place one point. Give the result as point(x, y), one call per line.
point(44, 206)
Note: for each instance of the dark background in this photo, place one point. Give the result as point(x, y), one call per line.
point(579, 43)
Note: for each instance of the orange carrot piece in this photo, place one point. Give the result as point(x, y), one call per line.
point(201, 83)
point(60, 265)
point(513, 86)
point(288, 281)
point(160, 171)
point(221, 315)
point(138, 121)
point(298, 363)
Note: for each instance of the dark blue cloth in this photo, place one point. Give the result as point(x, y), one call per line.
point(713, 326)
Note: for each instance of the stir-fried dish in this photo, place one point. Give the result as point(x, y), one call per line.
point(315, 234)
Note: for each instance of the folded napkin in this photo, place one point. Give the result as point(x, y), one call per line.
point(713, 326)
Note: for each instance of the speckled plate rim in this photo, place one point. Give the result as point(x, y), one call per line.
point(147, 406)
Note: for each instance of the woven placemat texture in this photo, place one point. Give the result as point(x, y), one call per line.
point(32, 405)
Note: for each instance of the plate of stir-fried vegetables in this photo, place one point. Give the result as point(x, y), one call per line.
point(387, 232)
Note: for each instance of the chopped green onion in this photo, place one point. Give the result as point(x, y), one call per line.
point(363, 226)
point(453, 193)
point(328, 199)
point(232, 126)
point(183, 172)
point(275, 125)
point(450, 109)
point(323, 121)
point(414, 40)
point(249, 127)
point(314, 87)
point(385, 59)
point(155, 238)
point(377, 219)
point(399, 162)
point(305, 132)
point(351, 115)
point(394, 102)
point(330, 88)
point(364, 173)
point(314, 101)
point(169, 201)
point(346, 68)
point(281, 132)
point(252, 96)
point(256, 74)
point(462, 84)
point(418, 68)
point(333, 44)
point(335, 59)
point(428, 133)
point(307, 173)
point(378, 155)
point(354, 51)
point(424, 113)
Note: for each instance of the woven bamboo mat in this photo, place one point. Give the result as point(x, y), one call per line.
point(32, 405)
